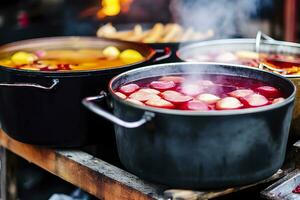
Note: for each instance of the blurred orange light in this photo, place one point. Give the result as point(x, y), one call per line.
point(113, 7)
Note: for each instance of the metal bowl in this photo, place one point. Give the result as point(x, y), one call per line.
point(265, 46)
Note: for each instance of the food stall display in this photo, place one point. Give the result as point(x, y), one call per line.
point(158, 33)
point(180, 108)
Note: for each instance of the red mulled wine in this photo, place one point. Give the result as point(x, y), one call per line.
point(200, 92)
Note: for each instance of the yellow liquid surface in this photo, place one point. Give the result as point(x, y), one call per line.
point(78, 60)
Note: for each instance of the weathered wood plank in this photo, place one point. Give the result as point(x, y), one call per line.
point(204, 195)
point(8, 179)
point(2, 174)
point(85, 171)
point(102, 179)
point(290, 20)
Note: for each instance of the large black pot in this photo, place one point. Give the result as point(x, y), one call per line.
point(189, 149)
point(44, 108)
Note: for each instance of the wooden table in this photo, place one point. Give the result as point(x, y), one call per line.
point(96, 176)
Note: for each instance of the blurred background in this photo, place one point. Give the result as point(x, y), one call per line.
point(22, 19)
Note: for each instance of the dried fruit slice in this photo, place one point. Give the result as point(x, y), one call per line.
point(240, 93)
point(255, 100)
point(121, 95)
point(143, 96)
point(170, 93)
point(195, 105)
point(268, 91)
point(191, 89)
point(162, 85)
point(150, 90)
point(175, 79)
point(208, 98)
point(206, 83)
point(228, 103)
point(278, 100)
point(175, 97)
point(159, 103)
point(135, 101)
point(128, 89)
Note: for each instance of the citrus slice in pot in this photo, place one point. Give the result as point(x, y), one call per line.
point(268, 91)
point(159, 103)
point(240, 93)
point(208, 98)
point(143, 96)
point(175, 97)
point(254, 100)
point(162, 85)
point(129, 88)
point(228, 103)
point(195, 105)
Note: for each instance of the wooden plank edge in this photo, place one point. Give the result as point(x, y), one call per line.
point(204, 195)
point(83, 170)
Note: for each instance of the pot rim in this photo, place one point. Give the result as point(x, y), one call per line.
point(44, 40)
point(236, 41)
point(202, 113)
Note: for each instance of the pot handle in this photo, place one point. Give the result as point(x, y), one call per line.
point(259, 37)
point(166, 53)
point(89, 103)
point(34, 85)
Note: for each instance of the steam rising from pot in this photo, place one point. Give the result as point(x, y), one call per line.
point(226, 17)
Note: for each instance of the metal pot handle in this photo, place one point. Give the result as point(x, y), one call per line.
point(259, 37)
point(167, 52)
point(89, 103)
point(34, 85)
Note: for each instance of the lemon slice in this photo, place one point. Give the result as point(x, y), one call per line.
point(23, 58)
point(131, 56)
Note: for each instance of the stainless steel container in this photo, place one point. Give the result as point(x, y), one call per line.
point(187, 52)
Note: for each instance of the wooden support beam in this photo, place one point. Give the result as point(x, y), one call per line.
point(3, 188)
point(8, 179)
point(290, 20)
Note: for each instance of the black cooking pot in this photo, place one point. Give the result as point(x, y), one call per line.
point(44, 108)
point(190, 149)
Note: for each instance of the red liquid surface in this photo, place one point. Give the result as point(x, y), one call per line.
point(289, 63)
point(297, 189)
point(200, 92)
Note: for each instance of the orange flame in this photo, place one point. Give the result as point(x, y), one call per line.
point(113, 7)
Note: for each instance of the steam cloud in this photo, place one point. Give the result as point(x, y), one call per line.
point(225, 17)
